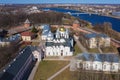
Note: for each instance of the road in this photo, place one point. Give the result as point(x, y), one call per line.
point(53, 76)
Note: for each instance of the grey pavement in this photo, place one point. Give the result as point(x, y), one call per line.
point(58, 59)
point(100, 50)
point(53, 76)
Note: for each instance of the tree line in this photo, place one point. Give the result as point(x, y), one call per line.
point(8, 20)
point(107, 29)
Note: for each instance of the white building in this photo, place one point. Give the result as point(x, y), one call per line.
point(33, 9)
point(96, 40)
point(98, 62)
point(59, 44)
point(46, 33)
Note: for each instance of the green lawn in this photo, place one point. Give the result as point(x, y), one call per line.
point(77, 50)
point(109, 49)
point(94, 50)
point(48, 68)
point(35, 43)
point(67, 75)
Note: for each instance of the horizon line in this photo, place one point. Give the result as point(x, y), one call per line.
point(67, 3)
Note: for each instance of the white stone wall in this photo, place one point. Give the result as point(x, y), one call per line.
point(98, 66)
point(106, 66)
point(26, 38)
point(58, 51)
point(115, 67)
point(92, 42)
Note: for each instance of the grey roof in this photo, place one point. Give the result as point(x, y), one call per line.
point(16, 65)
point(66, 43)
point(11, 38)
point(93, 35)
point(46, 29)
point(100, 57)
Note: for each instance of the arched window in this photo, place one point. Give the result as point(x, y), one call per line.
point(113, 67)
point(104, 67)
point(96, 66)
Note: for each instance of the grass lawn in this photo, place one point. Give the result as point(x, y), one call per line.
point(77, 50)
point(94, 50)
point(35, 43)
point(67, 75)
point(47, 68)
point(109, 49)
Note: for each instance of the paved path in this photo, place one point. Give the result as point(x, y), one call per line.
point(81, 46)
point(31, 77)
point(58, 59)
point(53, 76)
point(100, 50)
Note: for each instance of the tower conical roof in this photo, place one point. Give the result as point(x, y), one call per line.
point(76, 22)
point(27, 21)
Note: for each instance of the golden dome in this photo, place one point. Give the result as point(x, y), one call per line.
point(62, 29)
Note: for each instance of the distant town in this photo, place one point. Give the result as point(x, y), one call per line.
point(59, 42)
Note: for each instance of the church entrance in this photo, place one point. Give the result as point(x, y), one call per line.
point(61, 52)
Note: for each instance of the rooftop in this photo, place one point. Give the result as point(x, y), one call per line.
point(108, 57)
point(27, 21)
point(93, 35)
point(27, 33)
point(46, 29)
point(11, 38)
point(58, 42)
point(10, 72)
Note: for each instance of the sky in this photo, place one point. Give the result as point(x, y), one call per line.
point(61, 1)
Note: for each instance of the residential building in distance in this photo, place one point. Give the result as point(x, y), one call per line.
point(108, 62)
point(32, 9)
point(60, 45)
point(12, 39)
point(17, 68)
point(94, 40)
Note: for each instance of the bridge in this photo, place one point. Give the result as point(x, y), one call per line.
point(79, 13)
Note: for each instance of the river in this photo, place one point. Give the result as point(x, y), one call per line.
point(93, 18)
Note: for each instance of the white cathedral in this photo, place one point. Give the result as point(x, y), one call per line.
point(59, 43)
